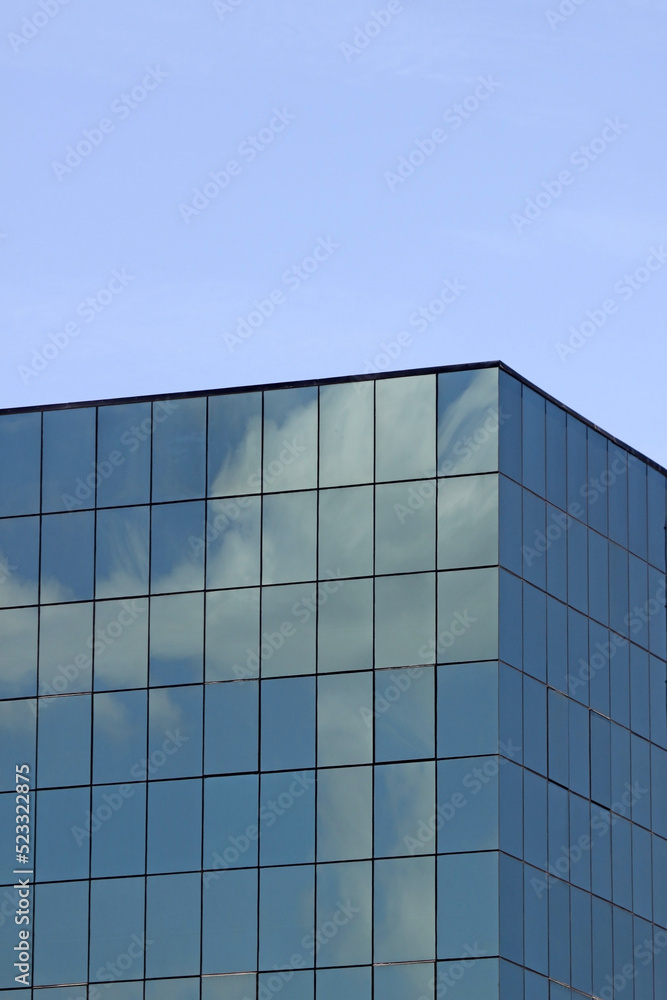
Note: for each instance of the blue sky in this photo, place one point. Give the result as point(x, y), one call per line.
point(374, 164)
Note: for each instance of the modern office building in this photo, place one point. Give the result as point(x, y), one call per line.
point(334, 690)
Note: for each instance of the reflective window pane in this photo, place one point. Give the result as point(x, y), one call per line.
point(67, 557)
point(231, 825)
point(19, 561)
point(345, 625)
point(63, 753)
point(344, 813)
point(533, 445)
point(65, 648)
point(62, 834)
point(346, 532)
point(289, 539)
point(404, 910)
point(288, 723)
point(232, 536)
point(346, 433)
point(17, 737)
point(404, 808)
point(404, 620)
point(288, 630)
point(124, 454)
point(395, 982)
point(116, 924)
point(174, 732)
point(231, 727)
point(60, 933)
point(344, 719)
point(117, 829)
point(467, 904)
point(335, 983)
point(404, 714)
point(405, 427)
point(176, 639)
point(121, 644)
point(68, 471)
point(177, 547)
point(405, 527)
point(18, 653)
point(344, 900)
point(172, 989)
point(229, 932)
point(179, 449)
point(234, 444)
point(290, 439)
point(468, 804)
point(121, 567)
point(173, 922)
point(467, 615)
point(467, 709)
point(174, 826)
point(286, 898)
point(468, 421)
point(20, 457)
point(232, 630)
point(468, 522)
point(287, 818)
point(228, 988)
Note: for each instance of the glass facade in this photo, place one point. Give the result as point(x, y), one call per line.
point(344, 690)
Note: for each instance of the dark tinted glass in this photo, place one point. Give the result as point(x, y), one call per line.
point(68, 471)
point(20, 457)
point(179, 450)
point(124, 453)
point(290, 439)
point(346, 433)
point(234, 444)
point(67, 557)
point(468, 422)
point(19, 561)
